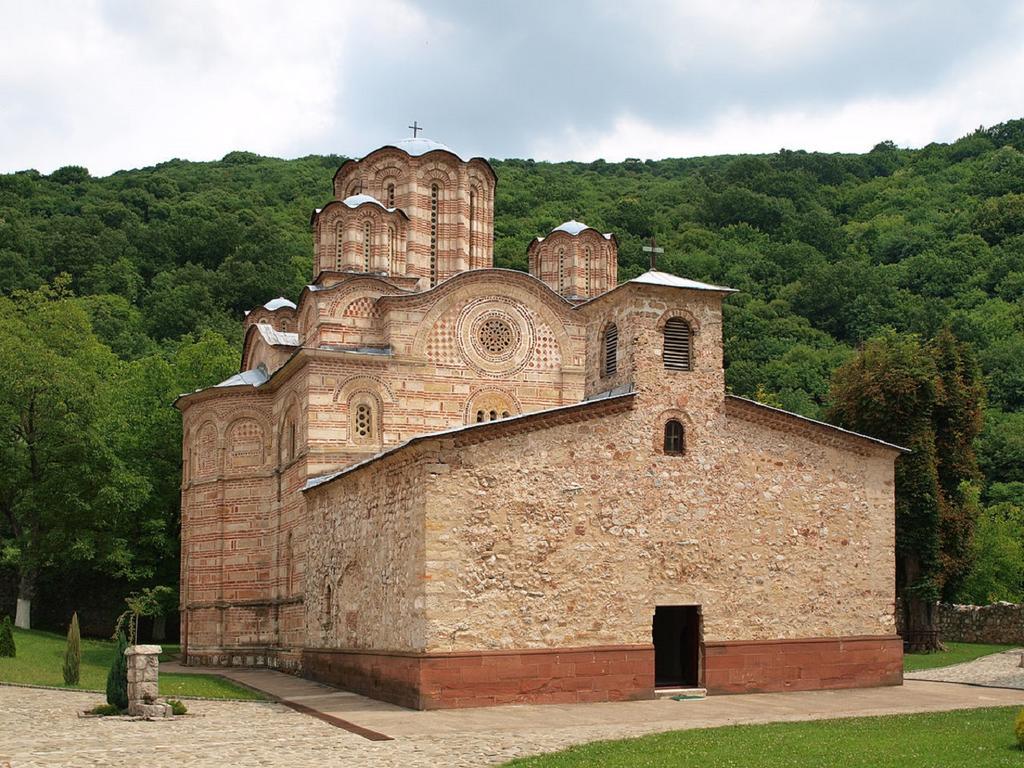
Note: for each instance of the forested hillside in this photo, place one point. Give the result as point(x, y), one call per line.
point(828, 250)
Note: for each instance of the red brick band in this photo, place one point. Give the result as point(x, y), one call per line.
point(761, 666)
point(486, 678)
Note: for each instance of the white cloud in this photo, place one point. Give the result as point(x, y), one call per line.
point(988, 91)
point(88, 84)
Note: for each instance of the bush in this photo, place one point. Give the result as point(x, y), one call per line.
point(7, 648)
point(1018, 728)
point(104, 710)
point(117, 678)
point(73, 653)
point(177, 707)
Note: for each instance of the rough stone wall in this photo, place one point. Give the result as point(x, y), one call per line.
point(364, 587)
point(572, 535)
point(996, 623)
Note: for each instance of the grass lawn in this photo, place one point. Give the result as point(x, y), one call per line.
point(955, 653)
point(964, 739)
point(41, 656)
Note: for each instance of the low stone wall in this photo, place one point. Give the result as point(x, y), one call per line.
point(997, 623)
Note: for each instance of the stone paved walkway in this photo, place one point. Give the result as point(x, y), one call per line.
point(1002, 670)
point(42, 727)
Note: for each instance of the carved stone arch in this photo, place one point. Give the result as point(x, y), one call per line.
point(658, 429)
point(247, 441)
point(340, 304)
point(207, 450)
point(289, 430)
point(681, 313)
point(365, 417)
point(438, 172)
point(491, 404)
point(363, 382)
point(508, 290)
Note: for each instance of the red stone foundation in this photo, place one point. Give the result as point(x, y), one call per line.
point(487, 678)
point(761, 666)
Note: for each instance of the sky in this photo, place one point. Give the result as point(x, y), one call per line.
point(114, 84)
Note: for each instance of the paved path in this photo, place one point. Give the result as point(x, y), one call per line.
point(41, 727)
point(1002, 670)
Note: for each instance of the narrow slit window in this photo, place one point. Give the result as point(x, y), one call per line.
point(339, 246)
point(610, 350)
point(391, 196)
point(434, 194)
point(675, 438)
point(677, 345)
point(367, 237)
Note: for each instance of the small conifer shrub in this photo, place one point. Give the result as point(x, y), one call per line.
point(7, 648)
point(1018, 728)
point(117, 677)
point(177, 707)
point(73, 653)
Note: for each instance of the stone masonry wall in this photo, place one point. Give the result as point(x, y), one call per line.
point(365, 559)
point(997, 623)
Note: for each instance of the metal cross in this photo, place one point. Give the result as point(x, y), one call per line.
point(654, 250)
point(415, 127)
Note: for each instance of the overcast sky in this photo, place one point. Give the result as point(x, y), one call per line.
point(114, 84)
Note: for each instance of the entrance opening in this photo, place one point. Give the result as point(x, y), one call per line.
point(677, 634)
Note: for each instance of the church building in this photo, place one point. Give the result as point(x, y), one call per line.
point(443, 484)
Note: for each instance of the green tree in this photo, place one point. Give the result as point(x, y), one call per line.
point(7, 648)
point(62, 490)
point(997, 566)
point(73, 653)
point(117, 677)
point(889, 390)
point(957, 419)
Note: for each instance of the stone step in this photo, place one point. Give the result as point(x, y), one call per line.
point(688, 693)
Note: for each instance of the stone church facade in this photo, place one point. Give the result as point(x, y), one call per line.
point(443, 484)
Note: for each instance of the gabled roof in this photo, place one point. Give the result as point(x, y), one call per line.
point(779, 416)
point(595, 406)
point(664, 280)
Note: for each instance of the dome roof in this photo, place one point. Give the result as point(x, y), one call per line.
point(572, 226)
point(279, 303)
point(416, 147)
point(354, 201)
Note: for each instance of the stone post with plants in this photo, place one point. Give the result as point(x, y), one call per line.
point(73, 653)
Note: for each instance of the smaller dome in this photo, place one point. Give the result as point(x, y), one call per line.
point(279, 303)
point(356, 200)
point(572, 226)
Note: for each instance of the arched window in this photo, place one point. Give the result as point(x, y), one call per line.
point(435, 191)
point(291, 439)
point(610, 350)
point(561, 269)
point(675, 438)
point(339, 246)
point(391, 249)
point(367, 236)
point(677, 345)
point(328, 607)
point(586, 271)
point(288, 546)
point(363, 411)
point(391, 196)
point(364, 421)
point(472, 217)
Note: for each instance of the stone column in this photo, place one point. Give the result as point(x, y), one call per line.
point(143, 682)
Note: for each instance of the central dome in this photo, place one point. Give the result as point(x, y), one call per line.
point(418, 146)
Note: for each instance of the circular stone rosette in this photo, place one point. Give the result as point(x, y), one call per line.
point(495, 336)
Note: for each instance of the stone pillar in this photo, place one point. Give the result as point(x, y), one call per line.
point(143, 682)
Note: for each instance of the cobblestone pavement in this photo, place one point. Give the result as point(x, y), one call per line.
point(1002, 670)
point(42, 728)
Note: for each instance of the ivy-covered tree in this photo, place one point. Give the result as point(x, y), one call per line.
point(889, 390)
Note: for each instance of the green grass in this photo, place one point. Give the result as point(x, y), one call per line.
point(955, 653)
point(41, 654)
point(963, 739)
